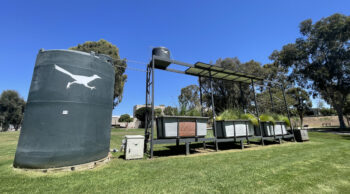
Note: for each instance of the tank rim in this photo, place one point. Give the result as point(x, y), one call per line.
point(68, 50)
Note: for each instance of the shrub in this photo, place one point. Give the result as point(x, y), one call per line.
point(282, 118)
point(229, 114)
point(267, 118)
point(250, 117)
point(193, 112)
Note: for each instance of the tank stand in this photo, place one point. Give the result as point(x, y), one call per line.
point(262, 142)
point(187, 148)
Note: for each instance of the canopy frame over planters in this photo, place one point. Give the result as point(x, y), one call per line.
point(200, 70)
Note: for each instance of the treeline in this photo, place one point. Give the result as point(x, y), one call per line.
point(317, 64)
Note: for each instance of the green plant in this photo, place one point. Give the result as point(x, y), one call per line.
point(267, 118)
point(282, 118)
point(229, 114)
point(193, 112)
point(251, 118)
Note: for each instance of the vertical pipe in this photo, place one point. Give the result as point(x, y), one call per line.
point(213, 107)
point(286, 105)
point(257, 112)
point(242, 96)
point(200, 94)
point(272, 106)
point(146, 116)
point(152, 121)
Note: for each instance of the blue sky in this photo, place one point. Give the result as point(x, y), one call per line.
point(192, 30)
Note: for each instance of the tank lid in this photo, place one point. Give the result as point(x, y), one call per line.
point(134, 137)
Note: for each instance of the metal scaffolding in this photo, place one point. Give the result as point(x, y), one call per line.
point(201, 70)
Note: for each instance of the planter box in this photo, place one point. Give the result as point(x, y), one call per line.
point(301, 135)
point(234, 128)
point(269, 129)
point(181, 126)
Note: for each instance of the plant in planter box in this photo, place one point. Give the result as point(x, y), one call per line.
point(233, 123)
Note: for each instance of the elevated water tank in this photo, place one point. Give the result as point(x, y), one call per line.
point(69, 109)
point(162, 53)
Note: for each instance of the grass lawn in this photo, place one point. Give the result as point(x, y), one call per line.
point(319, 166)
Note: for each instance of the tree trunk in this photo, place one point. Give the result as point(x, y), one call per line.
point(340, 116)
point(301, 122)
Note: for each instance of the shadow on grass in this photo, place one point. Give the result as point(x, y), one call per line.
point(347, 137)
point(173, 150)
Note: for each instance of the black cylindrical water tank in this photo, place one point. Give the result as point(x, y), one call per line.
point(163, 53)
point(68, 113)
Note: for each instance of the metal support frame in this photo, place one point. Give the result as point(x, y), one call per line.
point(150, 117)
point(257, 113)
point(286, 106)
point(213, 110)
point(200, 94)
point(149, 120)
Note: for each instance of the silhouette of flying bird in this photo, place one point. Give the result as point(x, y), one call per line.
point(79, 79)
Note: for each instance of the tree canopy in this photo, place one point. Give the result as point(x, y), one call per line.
point(11, 109)
point(125, 118)
point(320, 59)
point(227, 94)
point(171, 111)
point(105, 47)
point(189, 97)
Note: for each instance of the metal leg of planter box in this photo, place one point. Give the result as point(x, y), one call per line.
point(187, 148)
point(262, 141)
point(279, 141)
point(204, 145)
point(177, 143)
point(242, 145)
point(216, 145)
point(151, 151)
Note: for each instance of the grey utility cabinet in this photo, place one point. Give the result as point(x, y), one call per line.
point(301, 135)
point(134, 145)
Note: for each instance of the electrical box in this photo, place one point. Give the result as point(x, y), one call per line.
point(301, 135)
point(134, 145)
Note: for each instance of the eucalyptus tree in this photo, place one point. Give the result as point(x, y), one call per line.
point(105, 47)
point(320, 59)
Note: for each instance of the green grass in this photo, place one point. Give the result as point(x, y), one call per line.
point(319, 166)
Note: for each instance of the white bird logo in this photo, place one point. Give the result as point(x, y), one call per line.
point(79, 79)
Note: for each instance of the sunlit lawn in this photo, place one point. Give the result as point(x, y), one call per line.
point(319, 166)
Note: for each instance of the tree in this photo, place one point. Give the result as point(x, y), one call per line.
point(105, 47)
point(125, 118)
point(320, 59)
point(140, 113)
point(189, 97)
point(278, 106)
point(347, 109)
point(227, 94)
point(302, 102)
point(171, 111)
point(11, 109)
